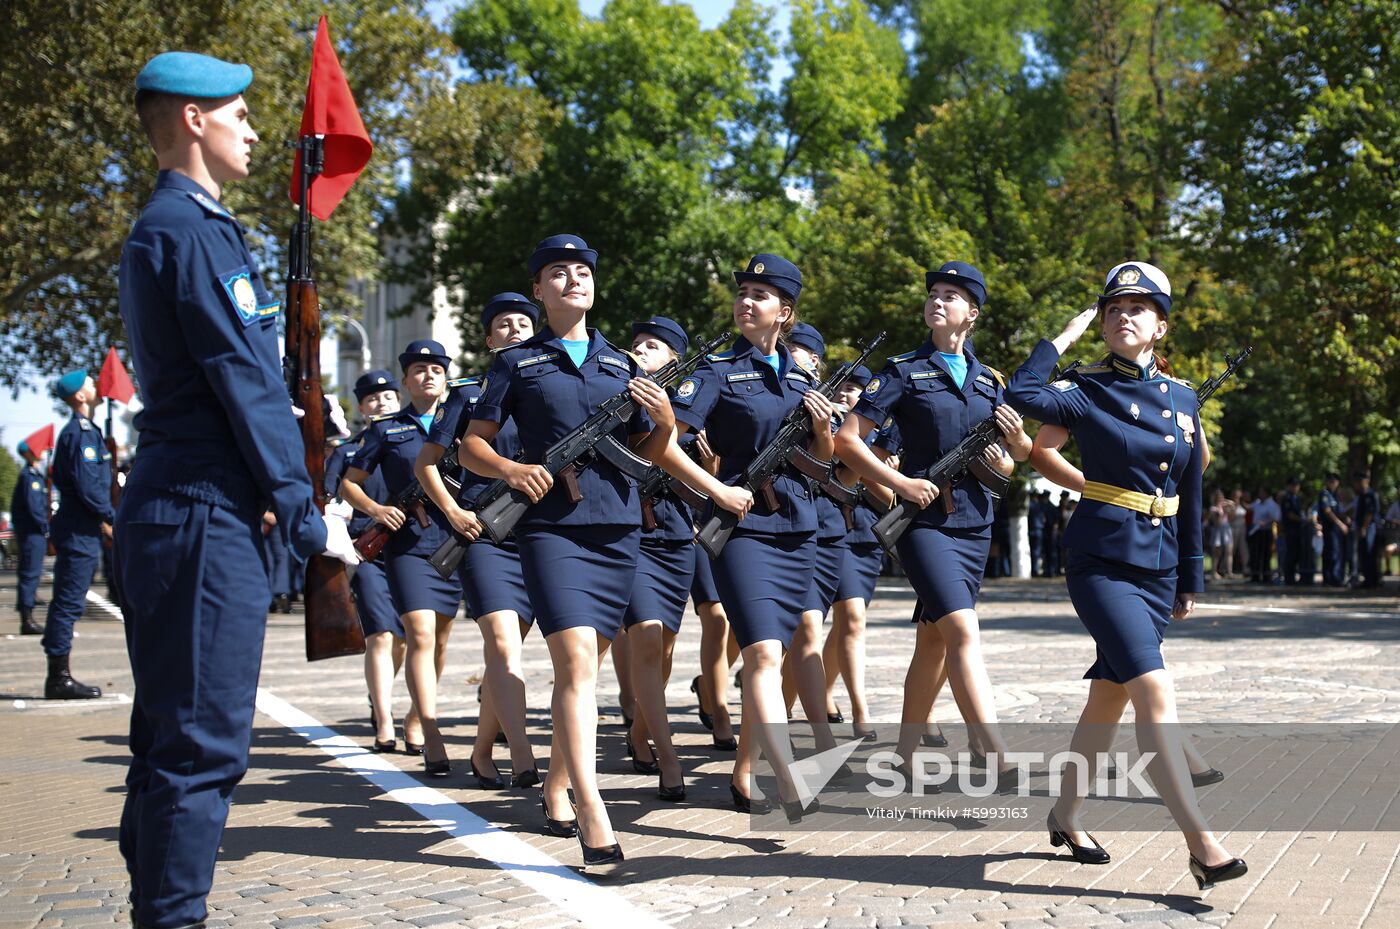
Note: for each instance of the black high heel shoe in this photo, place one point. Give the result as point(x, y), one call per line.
point(524, 779)
point(562, 828)
point(730, 744)
point(604, 858)
point(1206, 778)
point(487, 783)
point(928, 788)
point(437, 768)
point(1083, 854)
point(835, 717)
point(386, 747)
point(412, 748)
point(1207, 876)
point(743, 804)
point(794, 811)
point(670, 794)
point(865, 735)
point(706, 719)
point(641, 767)
point(929, 740)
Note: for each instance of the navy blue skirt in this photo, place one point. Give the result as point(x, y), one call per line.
point(664, 573)
point(945, 566)
point(579, 575)
point(492, 580)
point(860, 572)
point(373, 601)
point(416, 585)
point(763, 582)
point(1126, 609)
point(831, 557)
point(702, 587)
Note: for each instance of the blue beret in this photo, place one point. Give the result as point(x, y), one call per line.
point(1138, 277)
point(960, 274)
point(22, 447)
point(69, 384)
point(508, 302)
point(372, 382)
point(561, 248)
point(808, 337)
point(188, 74)
point(424, 350)
point(775, 271)
point(860, 376)
point(667, 330)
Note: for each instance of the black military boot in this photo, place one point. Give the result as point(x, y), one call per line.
point(60, 684)
point(27, 625)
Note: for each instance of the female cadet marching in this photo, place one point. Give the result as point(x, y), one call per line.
point(1133, 564)
point(740, 398)
point(578, 555)
point(718, 647)
point(665, 569)
point(935, 395)
point(427, 604)
point(490, 576)
point(377, 393)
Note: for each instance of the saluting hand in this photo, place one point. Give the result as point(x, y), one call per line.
point(1185, 604)
point(821, 410)
point(464, 522)
point(651, 397)
point(1075, 328)
point(736, 500)
point(533, 481)
point(917, 490)
point(390, 516)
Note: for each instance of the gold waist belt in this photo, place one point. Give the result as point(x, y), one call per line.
point(1147, 504)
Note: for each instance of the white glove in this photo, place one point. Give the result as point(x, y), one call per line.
point(338, 542)
point(340, 510)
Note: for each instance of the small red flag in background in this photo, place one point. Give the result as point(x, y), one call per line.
point(331, 112)
point(40, 441)
point(113, 381)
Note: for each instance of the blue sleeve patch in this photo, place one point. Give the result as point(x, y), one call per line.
point(243, 297)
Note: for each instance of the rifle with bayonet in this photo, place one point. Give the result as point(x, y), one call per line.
point(787, 448)
point(501, 506)
point(332, 622)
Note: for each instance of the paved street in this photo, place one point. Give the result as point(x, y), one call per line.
point(324, 835)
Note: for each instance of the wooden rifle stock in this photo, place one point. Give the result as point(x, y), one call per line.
point(332, 622)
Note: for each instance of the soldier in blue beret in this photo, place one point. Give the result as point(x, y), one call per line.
point(579, 553)
point(29, 515)
point(219, 442)
point(82, 476)
point(740, 397)
point(935, 395)
point(376, 394)
point(426, 602)
point(1134, 564)
point(490, 575)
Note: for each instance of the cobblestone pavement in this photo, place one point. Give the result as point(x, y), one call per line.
point(311, 843)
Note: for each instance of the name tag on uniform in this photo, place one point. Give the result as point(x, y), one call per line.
point(925, 375)
point(610, 360)
point(525, 363)
point(983, 379)
point(398, 429)
point(744, 376)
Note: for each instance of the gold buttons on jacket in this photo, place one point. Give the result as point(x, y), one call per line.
point(1162, 467)
point(1166, 414)
point(1156, 521)
point(1170, 438)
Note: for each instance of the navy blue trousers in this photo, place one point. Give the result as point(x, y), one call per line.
point(73, 571)
point(32, 547)
point(196, 609)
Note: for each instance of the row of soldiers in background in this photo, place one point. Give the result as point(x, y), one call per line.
point(1045, 523)
point(1280, 537)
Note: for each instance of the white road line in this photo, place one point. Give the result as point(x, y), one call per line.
point(576, 895)
point(103, 603)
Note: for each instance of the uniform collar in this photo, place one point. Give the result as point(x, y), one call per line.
point(935, 357)
point(546, 336)
point(174, 180)
point(1131, 369)
point(744, 348)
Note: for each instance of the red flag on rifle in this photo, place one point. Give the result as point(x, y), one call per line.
point(40, 441)
point(113, 381)
point(331, 112)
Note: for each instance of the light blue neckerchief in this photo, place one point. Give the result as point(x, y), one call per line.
point(772, 360)
point(957, 366)
point(577, 349)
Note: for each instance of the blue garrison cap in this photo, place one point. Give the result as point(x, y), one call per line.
point(424, 350)
point(860, 376)
point(561, 248)
point(69, 384)
point(775, 271)
point(508, 302)
point(372, 382)
point(188, 74)
point(807, 336)
point(960, 274)
point(667, 330)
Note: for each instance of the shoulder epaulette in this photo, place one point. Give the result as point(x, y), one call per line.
point(462, 382)
point(907, 356)
point(720, 356)
point(1177, 380)
point(210, 206)
point(1001, 378)
point(806, 375)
